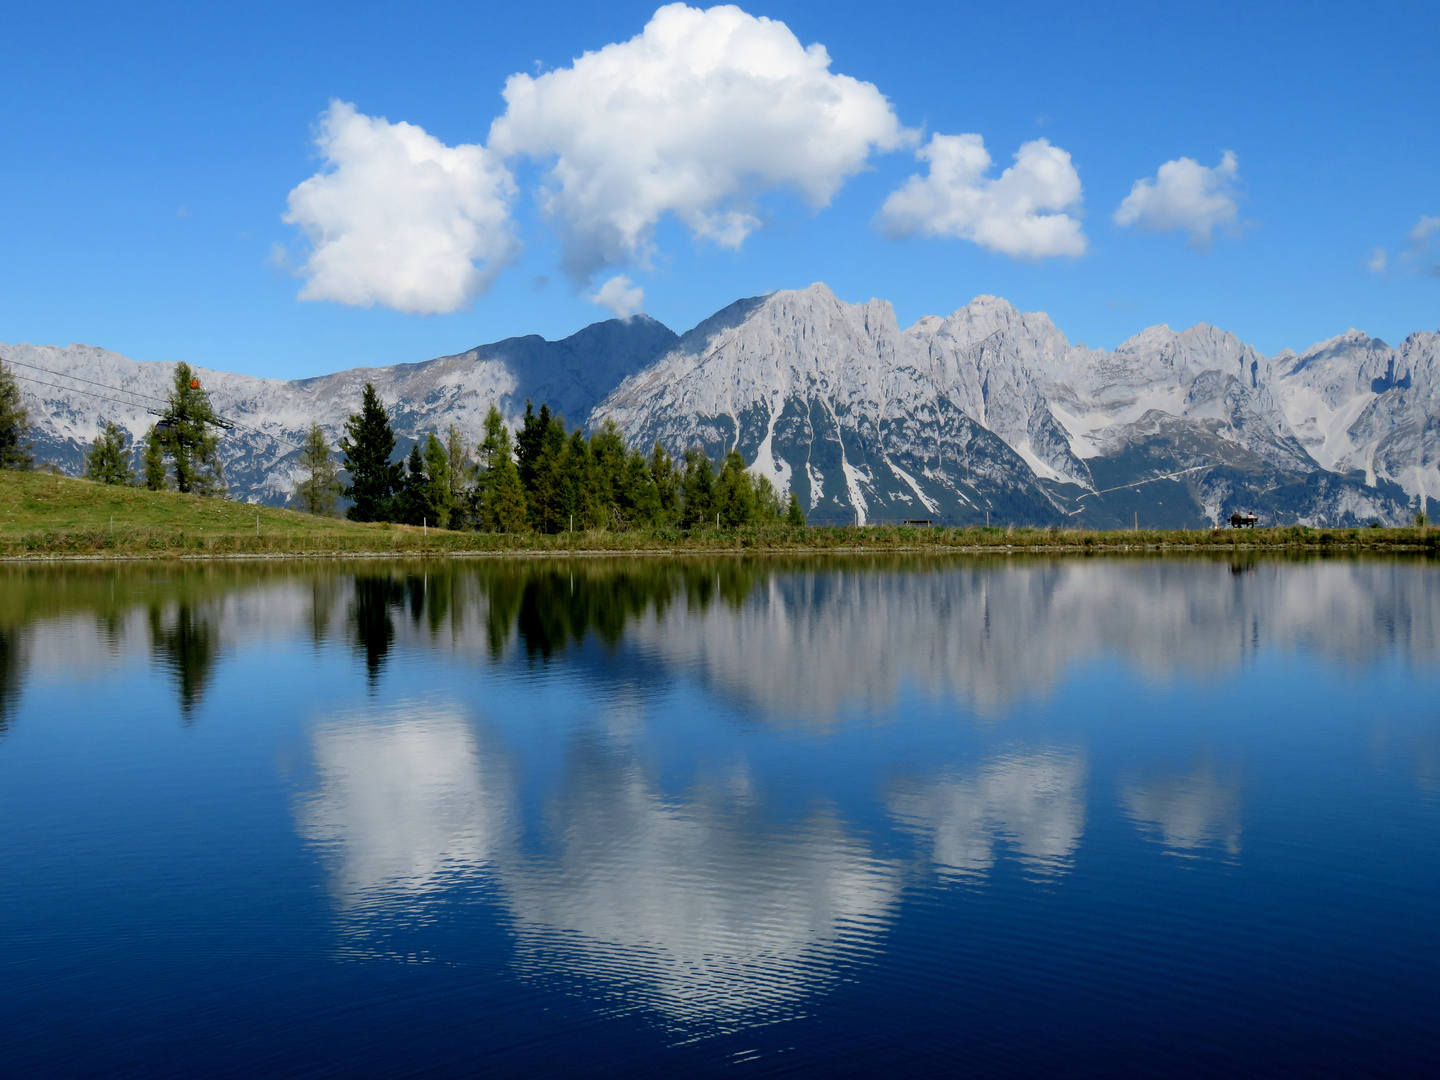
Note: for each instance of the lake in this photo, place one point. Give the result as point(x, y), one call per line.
point(875, 816)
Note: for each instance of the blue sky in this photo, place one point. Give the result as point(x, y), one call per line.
point(149, 153)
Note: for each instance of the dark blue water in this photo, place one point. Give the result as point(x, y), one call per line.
point(651, 818)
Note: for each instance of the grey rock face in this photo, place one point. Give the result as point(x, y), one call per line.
point(870, 422)
point(272, 416)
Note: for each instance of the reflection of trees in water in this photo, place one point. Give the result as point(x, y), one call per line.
point(12, 674)
point(188, 648)
point(371, 620)
point(556, 606)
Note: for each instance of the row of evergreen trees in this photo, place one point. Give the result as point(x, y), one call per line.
point(545, 479)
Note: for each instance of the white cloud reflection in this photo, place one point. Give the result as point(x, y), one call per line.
point(406, 803)
point(1033, 803)
point(700, 908)
point(1187, 813)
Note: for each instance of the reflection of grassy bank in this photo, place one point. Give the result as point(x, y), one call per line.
point(47, 516)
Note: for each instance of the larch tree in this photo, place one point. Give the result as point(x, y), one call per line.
point(317, 492)
point(457, 449)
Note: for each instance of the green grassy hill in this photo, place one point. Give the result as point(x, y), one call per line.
point(43, 515)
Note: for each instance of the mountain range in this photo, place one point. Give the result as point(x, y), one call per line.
point(988, 414)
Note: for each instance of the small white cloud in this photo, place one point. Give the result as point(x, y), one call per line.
point(1423, 232)
point(621, 295)
point(1188, 197)
point(1378, 261)
point(695, 117)
point(399, 218)
point(1005, 214)
point(279, 257)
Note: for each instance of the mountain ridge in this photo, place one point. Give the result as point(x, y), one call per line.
point(988, 412)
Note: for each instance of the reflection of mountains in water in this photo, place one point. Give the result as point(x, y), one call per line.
point(793, 638)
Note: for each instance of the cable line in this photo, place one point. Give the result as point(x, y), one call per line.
point(227, 424)
point(81, 378)
point(1138, 483)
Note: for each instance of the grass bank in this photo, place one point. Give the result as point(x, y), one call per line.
point(43, 516)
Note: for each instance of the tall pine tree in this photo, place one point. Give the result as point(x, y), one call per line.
point(368, 443)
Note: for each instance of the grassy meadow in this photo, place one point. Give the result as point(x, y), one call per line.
point(47, 516)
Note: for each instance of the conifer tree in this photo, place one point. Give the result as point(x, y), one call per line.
point(637, 501)
point(154, 462)
point(733, 497)
point(14, 424)
point(316, 493)
point(368, 443)
point(667, 484)
point(500, 496)
point(457, 451)
point(583, 496)
point(607, 450)
point(186, 434)
point(410, 498)
point(767, 502)
point(545, 496)
point(697, 490)
point(109, 460)
point(529, 443)
point(503, 506)
point(794, 512)
point(435, 504)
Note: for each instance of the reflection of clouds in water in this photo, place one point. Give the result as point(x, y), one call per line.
point(407, 803)
point(698, 907)
point(1186, 813)
point(1033, 802)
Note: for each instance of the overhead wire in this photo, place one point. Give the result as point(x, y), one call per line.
point(128, 404)
point(81, 378)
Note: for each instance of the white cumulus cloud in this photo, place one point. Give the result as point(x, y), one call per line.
point(620, 295)
point(695, 117)
point(1188, 197)
point(399, 218)
point(1017, 213)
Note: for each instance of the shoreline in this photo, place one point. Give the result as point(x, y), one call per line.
point(1412, 546)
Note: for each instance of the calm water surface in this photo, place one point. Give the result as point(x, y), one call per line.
point(650, 818)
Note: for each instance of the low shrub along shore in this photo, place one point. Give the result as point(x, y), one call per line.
point(48, 516)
